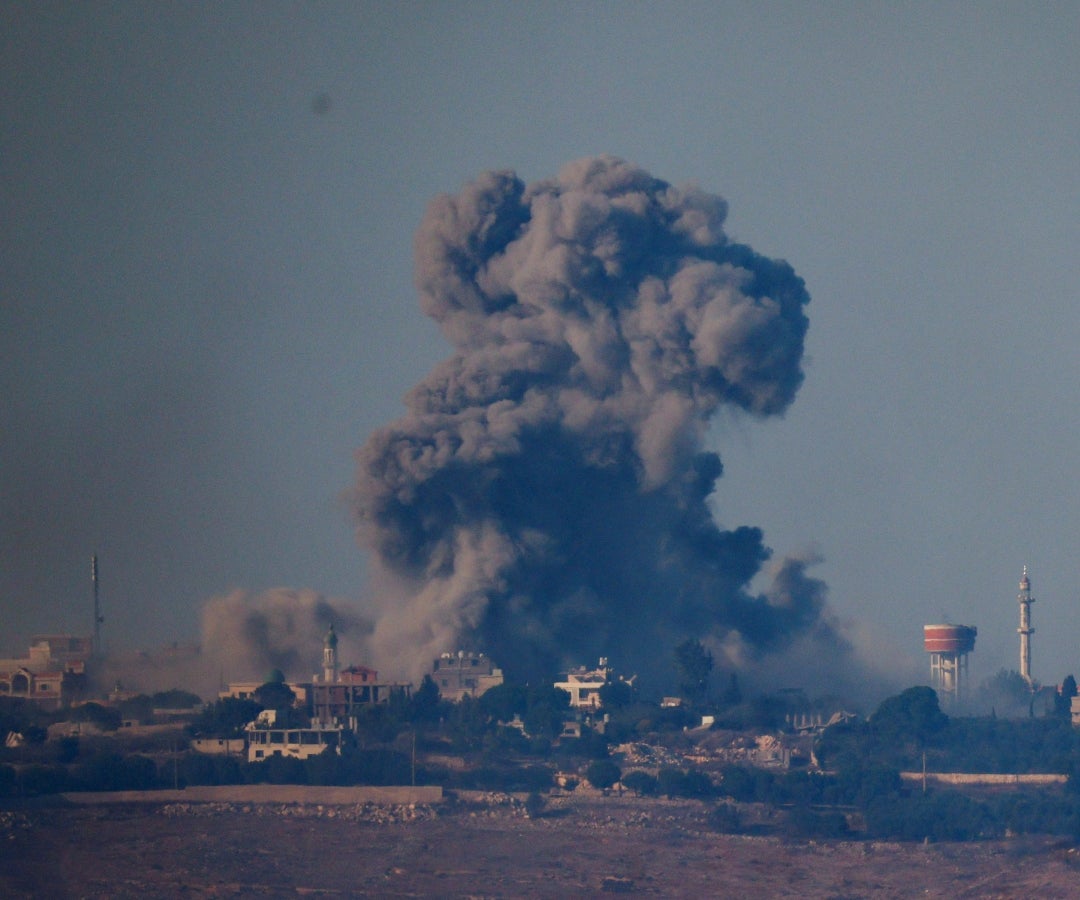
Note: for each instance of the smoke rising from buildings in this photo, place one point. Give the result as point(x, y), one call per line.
point(256, 632)
point(546, 496)
point(245, 636)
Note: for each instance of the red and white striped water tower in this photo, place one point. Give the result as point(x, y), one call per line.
point(949, 646)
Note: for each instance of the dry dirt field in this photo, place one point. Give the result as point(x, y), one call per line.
point(483, 847)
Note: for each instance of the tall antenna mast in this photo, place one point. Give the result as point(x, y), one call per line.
point(98, 617)
point(1025, 630)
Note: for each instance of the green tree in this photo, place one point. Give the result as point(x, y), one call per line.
point(547, 707)
point(425, 703)
point(732, 696)
point(616, 695)
point(603, 774)
point(913, 713)
point(641, 783)
point(724, 817)
point(534, 804)
point(225, 718)
point(105, 717)
point(276, 695)
point(466, 724)
point(1063, 701)
point(67, 750)
point(504, 701)
point(694, 665)
point(35, 735)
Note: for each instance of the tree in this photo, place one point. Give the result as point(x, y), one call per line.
point(504, 701)
point(534, 804)
point(547, 707)
point(35, 735)
point(616, 695)
point(641, 783)
point(694, 664)
point(276, 695)
point(1063, 701)
point(733, 695)
point(105, 717)
point(67, 749)
point(692, 783)
point(424, 703)
point(914, 713)
point(225, 718)
point(603, 774)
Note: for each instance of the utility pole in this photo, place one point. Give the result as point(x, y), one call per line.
point(98, 617)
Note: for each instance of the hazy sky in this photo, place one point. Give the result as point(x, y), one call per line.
point(206, 300)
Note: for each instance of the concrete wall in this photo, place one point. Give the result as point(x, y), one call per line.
point(268, 793)
point(983, 778)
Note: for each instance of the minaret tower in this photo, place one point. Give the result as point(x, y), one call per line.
point(1025, 630)
point(329, 657)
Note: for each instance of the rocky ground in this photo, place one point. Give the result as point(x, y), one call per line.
point(484, 846)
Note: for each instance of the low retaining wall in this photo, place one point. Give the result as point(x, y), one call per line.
point(268, 793)
point(987, 778)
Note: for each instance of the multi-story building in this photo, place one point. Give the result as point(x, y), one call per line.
point(265, 738)
point(338, 695)
point(584, 684)
point(464, 675)
point(356, 687)
point(52, 674)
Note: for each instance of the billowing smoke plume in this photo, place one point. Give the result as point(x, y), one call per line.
point(284, 629)
point(245, 636)
point(544, 499)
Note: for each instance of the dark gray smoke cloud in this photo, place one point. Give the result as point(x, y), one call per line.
point(544, 499)
point(245, 635)
point(251, 633)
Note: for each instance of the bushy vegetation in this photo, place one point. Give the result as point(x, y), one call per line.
point(866, 759)
point(510, 740)
point(911, 724)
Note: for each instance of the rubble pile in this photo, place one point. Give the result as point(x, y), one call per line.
point(371, 813)
point(486, 804)
point(646, 755)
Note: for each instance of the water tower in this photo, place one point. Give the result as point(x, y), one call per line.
point(949, 646)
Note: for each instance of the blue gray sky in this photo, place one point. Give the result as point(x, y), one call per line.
point(206, 299)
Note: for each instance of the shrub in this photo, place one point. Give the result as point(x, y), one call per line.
point(534, 804)
point(724, 817)
point(641, 783)
point(602, 774)
point(685, 783)
point(805, 822)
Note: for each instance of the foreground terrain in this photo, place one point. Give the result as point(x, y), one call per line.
point(483, 846)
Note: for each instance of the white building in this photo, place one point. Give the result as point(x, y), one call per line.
point(266, 739)
point(583, 685)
